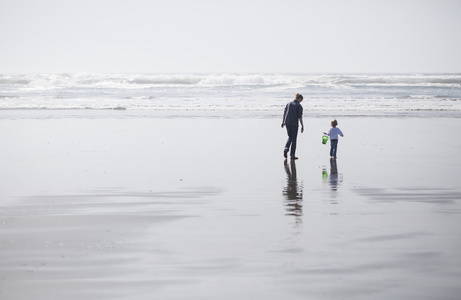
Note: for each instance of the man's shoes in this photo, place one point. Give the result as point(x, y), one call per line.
point(294, 157)
point(285, 153)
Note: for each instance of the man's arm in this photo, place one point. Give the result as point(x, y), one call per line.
point(284, 116)
point(300, 117)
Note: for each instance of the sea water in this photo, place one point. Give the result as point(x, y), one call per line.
point(239, 95)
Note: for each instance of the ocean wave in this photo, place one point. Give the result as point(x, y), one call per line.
point(455, 81)
point(417, 103)
point(44, 81)
point(391, 80)
point(232, 91)
point(165, 81)
point(14, 81)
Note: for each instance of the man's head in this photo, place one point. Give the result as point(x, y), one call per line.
point(299, 97)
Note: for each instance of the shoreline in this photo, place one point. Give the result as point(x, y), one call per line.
point(37, 113)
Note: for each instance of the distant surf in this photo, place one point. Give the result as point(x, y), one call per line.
point(437, 94)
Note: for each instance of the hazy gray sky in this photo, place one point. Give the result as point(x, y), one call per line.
point(230, 36)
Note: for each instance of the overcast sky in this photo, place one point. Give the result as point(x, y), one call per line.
point(108, 36)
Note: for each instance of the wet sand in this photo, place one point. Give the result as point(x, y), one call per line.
point(126, 207)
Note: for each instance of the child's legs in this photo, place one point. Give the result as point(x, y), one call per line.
point(334, 147)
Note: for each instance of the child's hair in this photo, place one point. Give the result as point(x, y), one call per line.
point(334, 123)
point(298, 96)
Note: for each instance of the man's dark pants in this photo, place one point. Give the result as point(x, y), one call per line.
point(292, 137)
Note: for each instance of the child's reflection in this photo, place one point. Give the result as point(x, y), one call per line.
point(334, 179)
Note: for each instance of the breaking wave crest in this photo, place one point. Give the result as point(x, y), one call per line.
point(232, 91)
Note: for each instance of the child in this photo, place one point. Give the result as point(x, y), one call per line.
point(333, 134)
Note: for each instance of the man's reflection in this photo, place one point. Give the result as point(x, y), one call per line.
point(293, 192)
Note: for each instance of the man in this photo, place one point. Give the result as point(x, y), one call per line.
point(292, 116)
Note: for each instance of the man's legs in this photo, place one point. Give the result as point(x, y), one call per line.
point(292, 132)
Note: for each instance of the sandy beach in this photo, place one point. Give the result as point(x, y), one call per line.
point(119, 205)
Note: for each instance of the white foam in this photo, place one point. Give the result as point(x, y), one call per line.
point(231, 91)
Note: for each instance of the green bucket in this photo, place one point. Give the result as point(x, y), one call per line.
point(324, 139)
